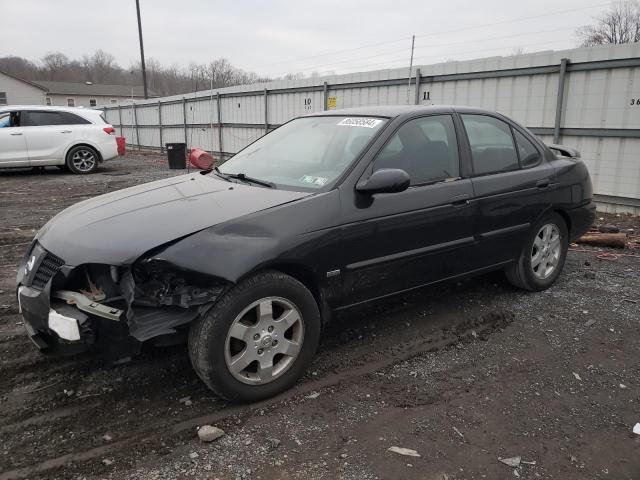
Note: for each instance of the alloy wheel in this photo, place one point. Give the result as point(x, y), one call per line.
point(264, 340)
point(84, 160)
point(546, 250)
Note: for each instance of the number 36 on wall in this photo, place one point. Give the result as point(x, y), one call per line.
point(635, 101)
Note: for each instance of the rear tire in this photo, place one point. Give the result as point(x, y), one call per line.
point(543, 255)
point(82, 160)
point(258, 339)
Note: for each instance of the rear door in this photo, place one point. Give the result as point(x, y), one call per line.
point(513, 186)
point(13, 143)
point(397, 241)
point(49, 134)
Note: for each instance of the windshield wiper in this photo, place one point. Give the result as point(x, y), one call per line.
point(245, 178)
point(220, 174)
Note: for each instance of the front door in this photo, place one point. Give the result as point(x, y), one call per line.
point(13, 142)
point(397, 241)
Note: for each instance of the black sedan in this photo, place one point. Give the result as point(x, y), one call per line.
point(329, 211)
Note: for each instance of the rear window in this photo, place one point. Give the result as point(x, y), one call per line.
point(41, 118)
point(529, 155)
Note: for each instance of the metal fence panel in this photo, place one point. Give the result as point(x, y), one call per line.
point(173, 135)
point(235, 139)
point(172, 114)
point(203, 111)
point(282, 107)
point(149, 137)
point(586, 97)
point(603, 98)
point(248, 109)
point(203, 137)
point(147, 114)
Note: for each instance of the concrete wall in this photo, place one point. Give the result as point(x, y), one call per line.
point(19, 92)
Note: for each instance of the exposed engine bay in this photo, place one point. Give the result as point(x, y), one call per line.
point(119, 308)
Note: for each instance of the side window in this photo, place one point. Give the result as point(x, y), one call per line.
point(67, 118)
point(492, 148)
point(41, 118)
point(426, 148)
point(529, 155)
point(10, 119)
point(92, 102)
point(5, 119)
point(47, 101)
point(3, 98)
point(71, 102)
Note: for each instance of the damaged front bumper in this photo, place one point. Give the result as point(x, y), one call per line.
point(68, 327)
point(72, 308)
point(47, 325)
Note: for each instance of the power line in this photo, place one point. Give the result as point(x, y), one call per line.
point(442, 32)
point(398, 60)
point(404, 50)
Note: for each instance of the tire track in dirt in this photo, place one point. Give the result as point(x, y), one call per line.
point(479, 327)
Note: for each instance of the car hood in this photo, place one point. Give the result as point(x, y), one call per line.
point(118, 227)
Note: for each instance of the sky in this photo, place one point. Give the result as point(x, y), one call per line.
point(277, 37)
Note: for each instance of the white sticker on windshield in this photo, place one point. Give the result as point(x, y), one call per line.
point(313, 180)
point(360, 122)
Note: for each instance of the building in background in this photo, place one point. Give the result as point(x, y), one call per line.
point(17, 91)
point(70, 94)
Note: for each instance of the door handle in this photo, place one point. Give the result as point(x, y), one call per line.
point(65, 131)
point(15, 133)
point(543, 184)
point(460, 200)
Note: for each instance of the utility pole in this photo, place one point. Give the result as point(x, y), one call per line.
point(144, 69)
point(413, 41)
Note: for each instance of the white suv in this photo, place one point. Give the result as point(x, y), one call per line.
point(35, 136)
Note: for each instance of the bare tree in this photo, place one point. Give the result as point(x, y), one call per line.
point(53, 63)
point(293, 76)
point(19, 67)
point(101, 67)
point(619, 24)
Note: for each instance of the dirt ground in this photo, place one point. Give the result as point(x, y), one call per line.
point(464, 374)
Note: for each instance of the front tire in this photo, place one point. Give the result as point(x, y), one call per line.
point(543, 255)
point(258, 339)
point(82, 160)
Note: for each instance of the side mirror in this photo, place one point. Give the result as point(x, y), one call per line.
point(385, 180)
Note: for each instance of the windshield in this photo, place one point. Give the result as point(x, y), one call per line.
point(306, 153)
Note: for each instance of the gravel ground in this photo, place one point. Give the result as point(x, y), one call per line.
point(463, 373)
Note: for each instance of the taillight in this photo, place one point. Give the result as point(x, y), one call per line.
point(109, 130)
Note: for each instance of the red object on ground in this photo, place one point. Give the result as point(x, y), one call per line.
point(121, 145)
point(200, 159)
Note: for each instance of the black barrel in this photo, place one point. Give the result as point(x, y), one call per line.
point(177, 155)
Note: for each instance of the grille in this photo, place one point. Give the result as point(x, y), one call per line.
point(47, 269)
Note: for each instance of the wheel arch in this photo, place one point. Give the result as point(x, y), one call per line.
point(83, 144)
point(565, 216)
point(557, 210)
point(305, 275)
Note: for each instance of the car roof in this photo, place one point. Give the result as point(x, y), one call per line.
point(398, 110)
point(76, 110)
